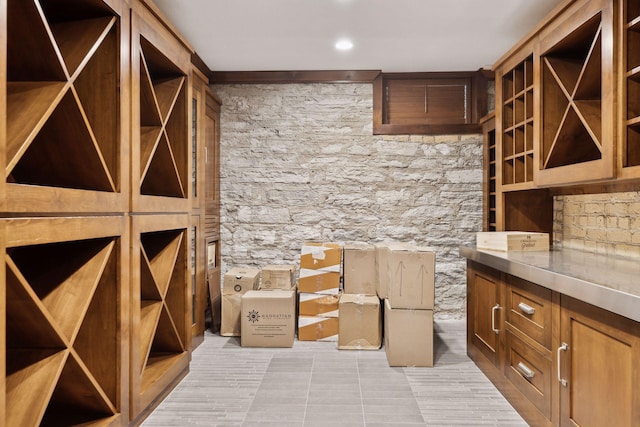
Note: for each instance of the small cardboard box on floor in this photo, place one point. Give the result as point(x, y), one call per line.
point(268, 318)
point(277, 277)
point(320, 268)
point(360, 325)
point(236, 283)
point(408, 336)
point(359, 275)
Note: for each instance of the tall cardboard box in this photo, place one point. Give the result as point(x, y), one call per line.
point(360, 325)
point(277, 277)
point(359, 272)
point(408, 336)
point(411, 272)
point(317, 328)
point(236, 283)
point(323, 305)
point(382, 259)
point(268, 318)
point(320, 267)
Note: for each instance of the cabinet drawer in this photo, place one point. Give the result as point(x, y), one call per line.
point(529, 309)
point(530, 372)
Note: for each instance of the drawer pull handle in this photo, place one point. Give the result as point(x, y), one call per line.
point(526, 309)
point(563, 347)
point(526, 371)
point(493, 318)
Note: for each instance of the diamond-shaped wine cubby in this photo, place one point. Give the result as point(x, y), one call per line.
point(163, 125)
point(63, 106)
point(161, 304)
point(63, 320)
point(577, 100)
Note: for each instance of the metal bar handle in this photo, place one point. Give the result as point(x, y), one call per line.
point(493, 319)
point(563, 347)
point(526, 308)
point(525, 371)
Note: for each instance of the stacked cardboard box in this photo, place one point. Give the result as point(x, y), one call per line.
point(268, 318)
point(277, 277)
point(236, 283)
point(409, 289)
point(360, 320)
point(319, 287)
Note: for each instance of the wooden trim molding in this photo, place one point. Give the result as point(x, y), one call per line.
point(327, 76)
point(200, 65)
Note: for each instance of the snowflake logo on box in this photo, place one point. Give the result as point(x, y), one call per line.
point(253, 316)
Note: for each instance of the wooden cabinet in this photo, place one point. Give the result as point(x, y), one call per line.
point(489, 188)
point(66, 129)
point(558, 361)
point(103, 252)
point(598, 359)
point(577, 90)
point(66, 310)
point(484, 312)
point(629, 130)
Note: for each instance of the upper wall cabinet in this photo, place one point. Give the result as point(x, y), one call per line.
point(429, 103)
point(66, 130)
point(577, 88)
point(161, 144)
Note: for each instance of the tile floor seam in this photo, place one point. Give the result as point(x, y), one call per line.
point(306, 403)
point(364, 420)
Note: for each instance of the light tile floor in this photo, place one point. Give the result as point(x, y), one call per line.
point(314, 384)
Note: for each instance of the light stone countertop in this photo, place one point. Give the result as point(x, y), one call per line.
point(606, 281)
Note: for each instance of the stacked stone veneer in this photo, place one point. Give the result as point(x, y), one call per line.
point(602, 223)
point(299, 163)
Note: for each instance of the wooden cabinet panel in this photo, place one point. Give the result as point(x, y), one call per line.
point(528, 309)
point(600, 367)
point(577, 87)
point(530, 371)
point(483, 310)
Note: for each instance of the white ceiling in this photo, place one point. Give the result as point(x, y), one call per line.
point(388, 35)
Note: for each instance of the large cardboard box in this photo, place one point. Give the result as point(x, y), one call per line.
point(316, 328)
point(230, 319)
point(278, 277)
point(236, 283)
point(360, 325)
point(268, 318)
point(411, 272)
point(320, 267)
point(239, 280)
point(323, 305)
point(408, 336)
point(359, 272)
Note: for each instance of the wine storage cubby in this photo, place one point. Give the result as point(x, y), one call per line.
point(65, 341)
point(161, 305)
point(161, 155)
point(517, 124)
point(64, 127)
point(577, 110)
point(490, 178)
point(630, 145)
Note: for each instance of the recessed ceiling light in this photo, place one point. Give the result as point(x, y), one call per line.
point(344, 44)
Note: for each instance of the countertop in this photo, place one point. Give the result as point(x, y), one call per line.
point(606, 281)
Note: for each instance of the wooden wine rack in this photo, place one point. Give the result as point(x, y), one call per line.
point(577, 142)
point(64, 135)
point(629, 154)
point(160, 305)
point(65, 287)
point(517, 134)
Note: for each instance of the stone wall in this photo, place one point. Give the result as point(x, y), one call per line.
point(603, 223)
point(299, 163)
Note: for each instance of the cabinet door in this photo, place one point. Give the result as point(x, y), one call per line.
point(599, 358)
point(483, 311)
point(577, 84)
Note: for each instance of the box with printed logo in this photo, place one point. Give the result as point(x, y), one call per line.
point(268, 318)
